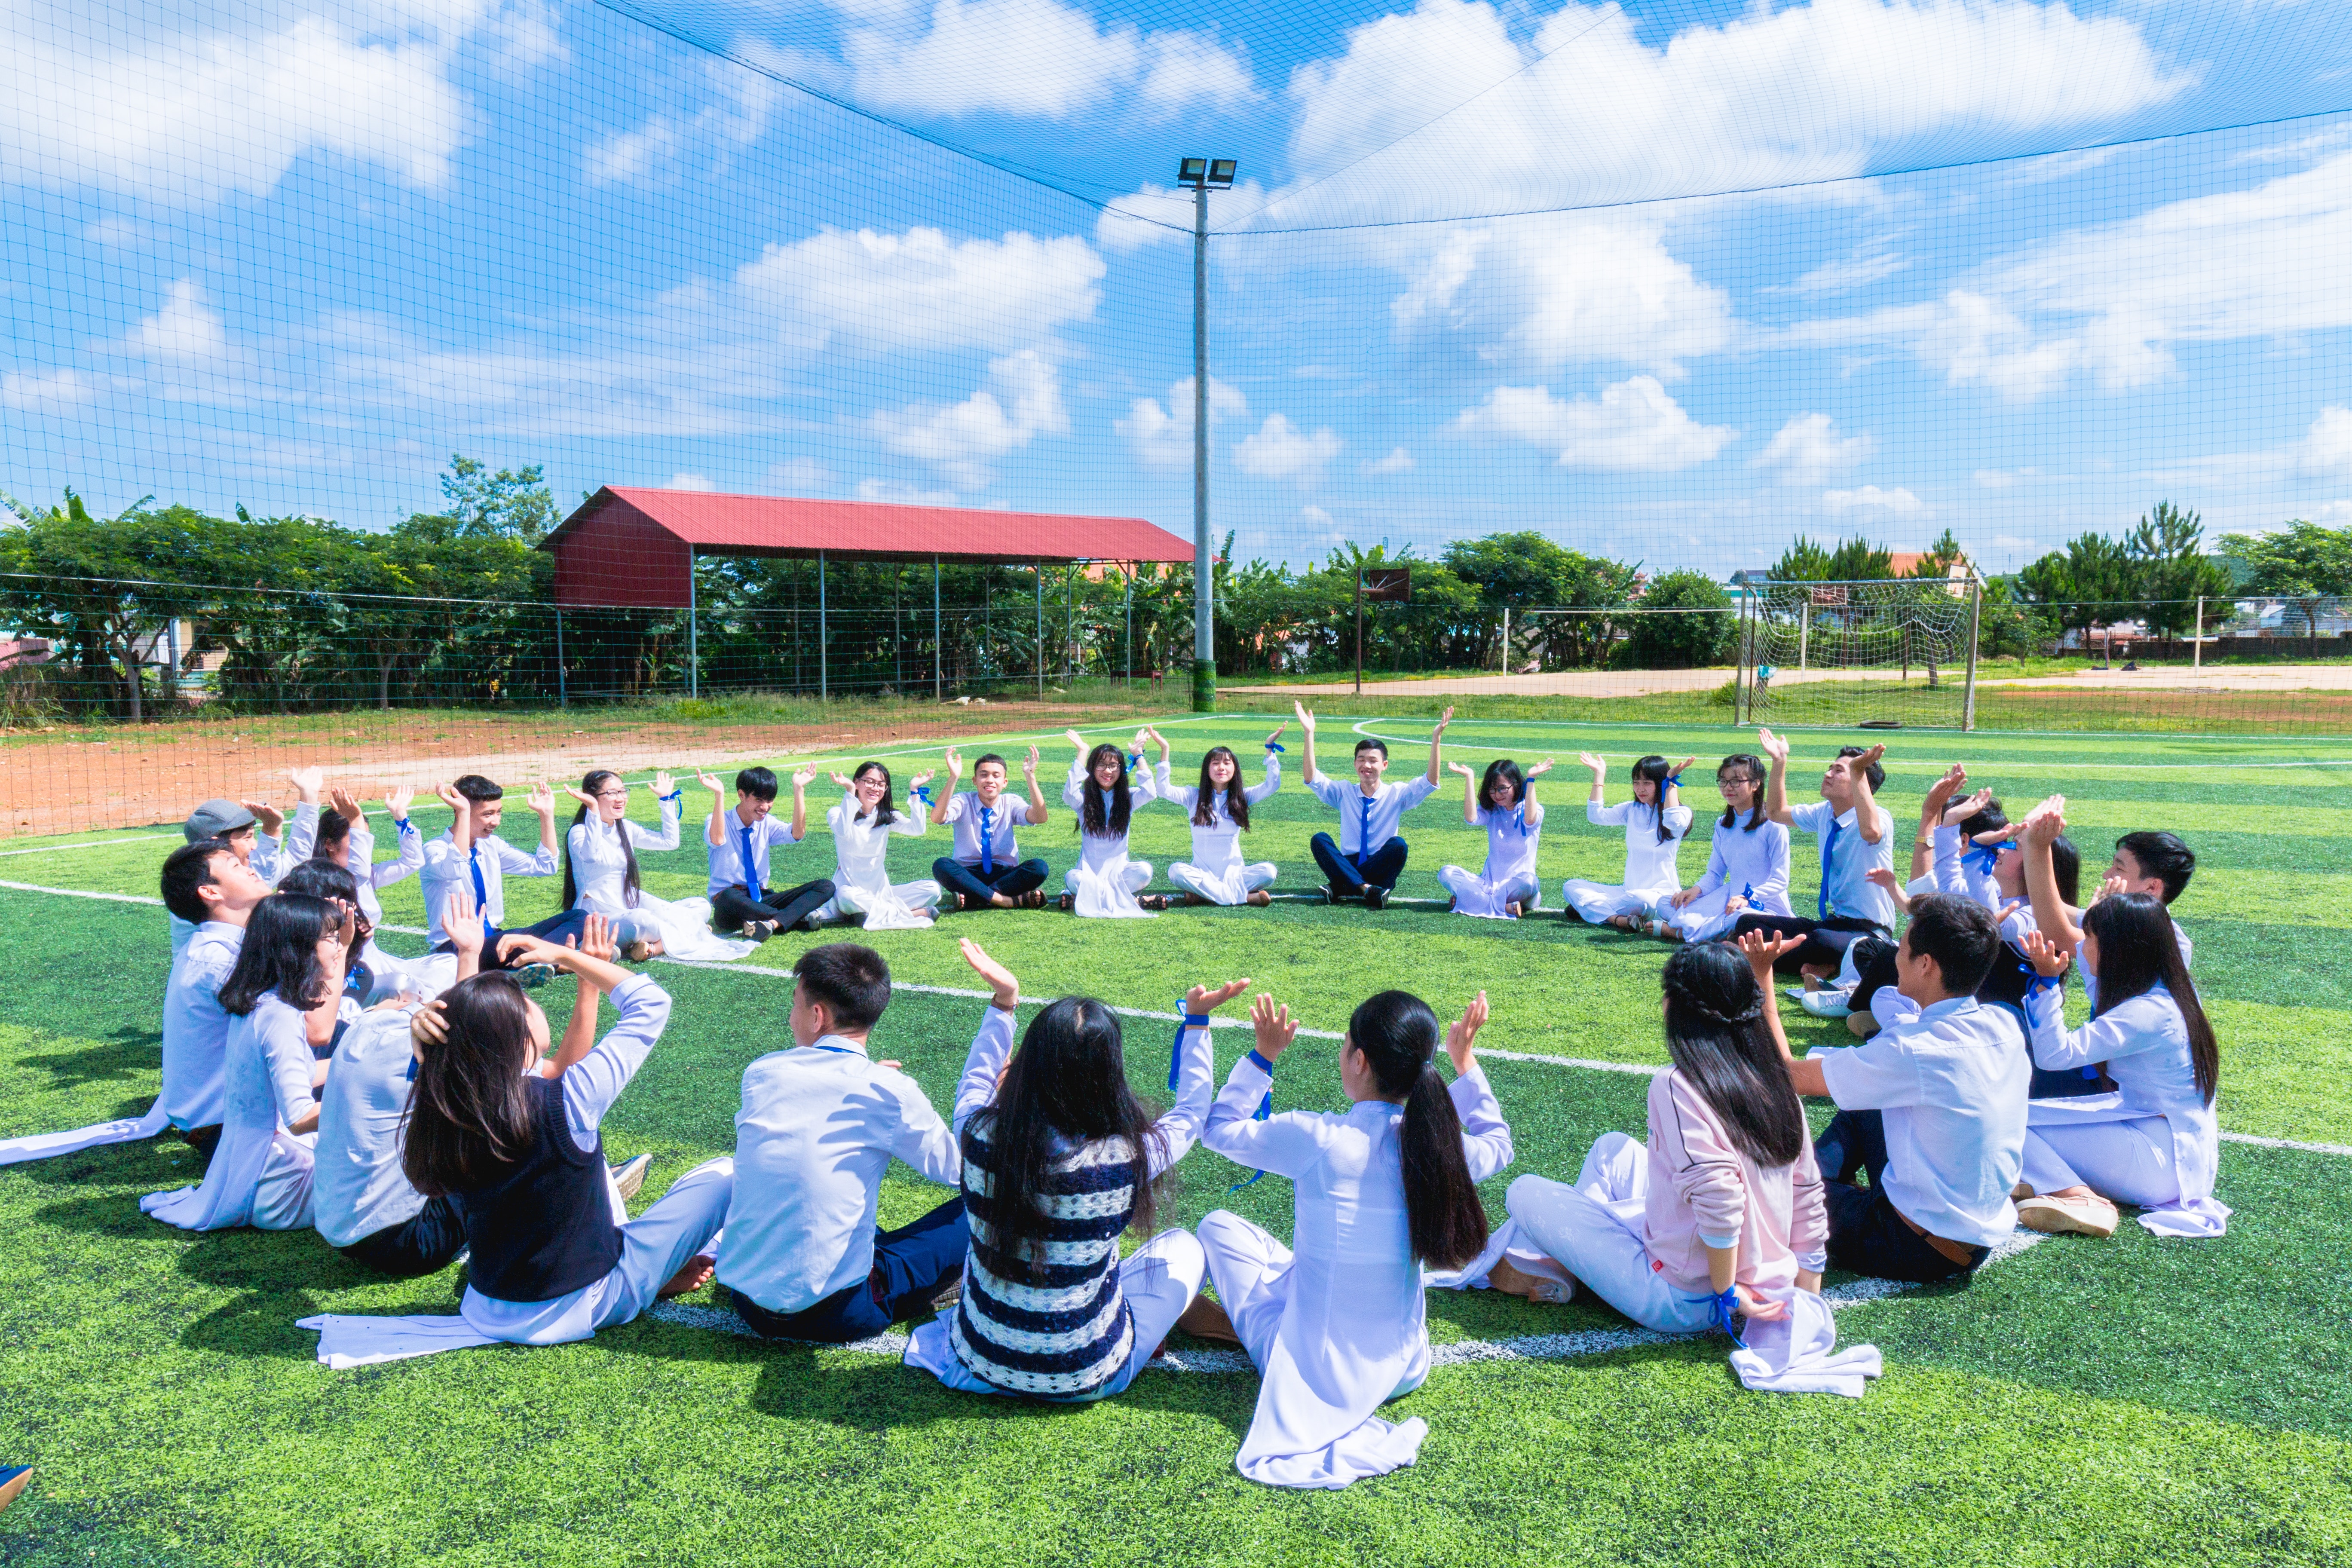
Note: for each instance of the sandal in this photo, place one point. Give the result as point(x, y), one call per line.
point(1152, 902)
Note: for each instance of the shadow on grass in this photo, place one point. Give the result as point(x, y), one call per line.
point(129, 1054)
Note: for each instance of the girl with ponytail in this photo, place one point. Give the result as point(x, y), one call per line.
point(1653, 821)
point(2154, 1142)
point(1337, 1327)
point(1722, 1214)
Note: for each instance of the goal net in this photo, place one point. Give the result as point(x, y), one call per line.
point(1880, 653)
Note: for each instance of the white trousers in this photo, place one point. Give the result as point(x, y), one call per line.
point(1703, 918)
point(1159, 1279)
point(2128, 1161)
point(1594, 1230)
point(1252, 1272)
point(900, 906)
point(1598, 902)
point(1474, 895)
point(654, 1246)
point(1229, 887)
point(1109, 893)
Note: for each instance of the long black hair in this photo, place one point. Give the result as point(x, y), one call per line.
point(1204, 801)
point(596, 779)
point(885, 810)
point(1068, 1082)
point(1398, 1035)
point(1502, 770)
point(469, 1115)
point(1718, 1039)
point(325, 880)
point(281, 953)
point(1657, 771)
point(2066, 862)
point(2138, 949)
point(1103, 811)
point(334, 835)
point(1753, 765)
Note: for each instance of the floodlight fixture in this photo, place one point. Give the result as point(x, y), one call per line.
point(1192, 171)
point(1221, 173)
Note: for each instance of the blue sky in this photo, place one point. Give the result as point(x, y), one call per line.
point(1648, 278)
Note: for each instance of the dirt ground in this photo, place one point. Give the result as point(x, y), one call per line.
point(137, 777)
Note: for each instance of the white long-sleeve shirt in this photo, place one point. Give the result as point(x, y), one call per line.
point(1354, 1327)
point(195, 1030)
point(861, 844)
point(1218, 847)
point(818, 1127)
point(1650, 867)
point(259, 1173)
point(1369, 821)
point(1105, 852)
point(600, 861)
point(447, 866)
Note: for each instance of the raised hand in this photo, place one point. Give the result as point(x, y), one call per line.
point(847, 784)
point(1685, 762)
point(447, 792)
point(802, 778)
point(347, 806)
point(598, 939)
point(462, 922)
point(955, 764)
point(1599, 767)
point(267, 817)
point(918, 781)
point(2048, 961)
point(662, 782)
point(1442, 720)
point(307, 781)
point(1858, 767)
point(1209, 998)
point(1004, 991)
point(1462, 768)
point(1773, 746)
point(1960, 810)
point(583, 797)
point(1029, 767)
point(710, 781)
point(1273, 1024)
point(1886, 881)
point(1762, 950)
point(1075, 738)
point(2045, 823)
point(1540, 769)
point(1278, 729)
point(1306, 719)
point(396, 799)
point(2112, 888)
point(541, 798)
point(1464, 1034)
point(1939, 794)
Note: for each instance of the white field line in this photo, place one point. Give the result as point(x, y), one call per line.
point(93, 844)
point(1588, 1063)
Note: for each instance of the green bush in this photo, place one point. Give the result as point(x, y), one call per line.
point(1681, 641)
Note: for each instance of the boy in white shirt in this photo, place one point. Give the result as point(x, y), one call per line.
point(471, 854)
point(1857, 837)
point(740, 838)
point(1933, 1107)
point(249, 828)
point(213, 890)
point(985, 871)
point(1368, 857)
point(820, 1123)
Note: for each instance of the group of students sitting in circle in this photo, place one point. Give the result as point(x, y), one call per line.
point(408, 1109)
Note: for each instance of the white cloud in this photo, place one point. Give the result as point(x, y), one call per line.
point(1555, 289)
point(1616, 118)
point(1280, 451)
point(32, 391)
point(1398, 461)
point(1635, 426)
point(2327, 447)
point(1866, 266)
point(2111, 301)
point(187, 117)
point(1155, 215)
point(1808, 449)
point(1032, 57)
point(2332, 514)
point(741, 105)
point(1022, 399)
point(690, 482)
point(186, 332)
point(802, 473)
point(873, 292)
point(2003, 479)
point(1162, 436)
point(1870, 497)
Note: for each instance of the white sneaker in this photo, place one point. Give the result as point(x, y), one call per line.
point(2090, 1214)
point(1826, 1004)
point(1795, 992)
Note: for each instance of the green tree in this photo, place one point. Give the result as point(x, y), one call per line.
point(513, 503)
point(2094, 581)
point(2169, 550)
point(1694, 636)
point(1850, 561)
point(2303, 563)
point(74, 578)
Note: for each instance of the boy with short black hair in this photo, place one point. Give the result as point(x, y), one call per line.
point(473, 855)
point(215, 889)
point(820, 1123)
point(740, 838)
point(1368, 857)
point(1857, 837)
point(1933, 1106)
point(984, 871)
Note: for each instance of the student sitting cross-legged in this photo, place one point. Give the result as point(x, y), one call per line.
point(1653, 821)
point(1856, 837)
point(985, 870)
point(1218, 808)
point(472, 855)
point(1338, 1327)
point(1368, 857)
point(1721, 1215)
point(1503, 803)
point(1933, 1107)
point(742, 895)
point(520, 1157)
point(820, 1123)
point(1060, 1160)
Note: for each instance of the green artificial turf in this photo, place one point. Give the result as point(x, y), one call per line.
point(2123, 1402)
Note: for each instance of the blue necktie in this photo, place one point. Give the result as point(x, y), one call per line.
point(750, 866)
point(1829, 850)
point(987, 840)
point(1364, 834)
point(481, 890)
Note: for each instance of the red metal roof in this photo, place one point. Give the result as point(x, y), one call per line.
point(775, 525)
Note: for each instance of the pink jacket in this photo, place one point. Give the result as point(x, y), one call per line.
point(1701, 1185)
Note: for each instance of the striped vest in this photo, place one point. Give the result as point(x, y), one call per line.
point(1056, 1328)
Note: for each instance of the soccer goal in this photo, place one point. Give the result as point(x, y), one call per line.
point(1891, 653)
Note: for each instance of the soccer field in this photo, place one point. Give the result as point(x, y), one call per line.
point(2128, 1401)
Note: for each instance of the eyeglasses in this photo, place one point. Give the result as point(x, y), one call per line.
point(612, 795)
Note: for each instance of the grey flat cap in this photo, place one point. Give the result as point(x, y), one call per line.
point(217, 818)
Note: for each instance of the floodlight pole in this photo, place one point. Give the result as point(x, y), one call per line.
point(1204, 631)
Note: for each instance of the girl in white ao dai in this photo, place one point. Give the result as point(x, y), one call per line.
point(1504, 803)
point(1746, 866)
point(1103, 885)
point(1219, 808)
point(862, 825)
point(1654, 821)
point(600, 875)
point(1337, 1326)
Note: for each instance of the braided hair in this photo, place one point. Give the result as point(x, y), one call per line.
point(1718, 1039)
